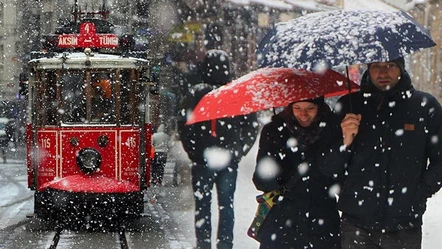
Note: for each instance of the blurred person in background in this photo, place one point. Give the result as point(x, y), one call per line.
point(160, 142)
point(215, 149)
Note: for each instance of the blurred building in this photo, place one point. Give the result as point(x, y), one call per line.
point(9, 47)
point(179, 28)
point(426, 65)
point(38, 18)
point(235, 26)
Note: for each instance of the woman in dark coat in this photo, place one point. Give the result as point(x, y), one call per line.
point(307, 216)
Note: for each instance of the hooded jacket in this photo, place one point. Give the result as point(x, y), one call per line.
point(236, 134)
point(395, 161)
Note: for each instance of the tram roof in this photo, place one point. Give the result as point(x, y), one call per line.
point(79, 60)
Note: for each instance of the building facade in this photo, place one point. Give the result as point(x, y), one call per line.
point(174, 25)
point(9, 62)
point(426, 65)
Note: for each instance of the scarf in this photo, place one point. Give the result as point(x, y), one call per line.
point(305, 136)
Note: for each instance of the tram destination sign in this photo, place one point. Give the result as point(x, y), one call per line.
point(88, 38)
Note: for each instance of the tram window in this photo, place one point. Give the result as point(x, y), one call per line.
point(125, 98)
point(49, 98)
point(103, 104)
point(74, 100)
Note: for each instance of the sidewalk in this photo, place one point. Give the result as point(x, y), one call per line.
point(177, 200)
point(15, 156)
point(174, 198)
point(174, 203)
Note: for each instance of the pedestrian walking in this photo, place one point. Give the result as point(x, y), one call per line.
point(389, 147)
point(7, 138)
point(215, 149)
point(307, 216)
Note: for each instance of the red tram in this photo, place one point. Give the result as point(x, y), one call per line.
point(89, 122)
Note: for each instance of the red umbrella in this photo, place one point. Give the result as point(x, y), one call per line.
point(268, 88)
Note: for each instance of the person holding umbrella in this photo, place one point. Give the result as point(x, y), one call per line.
point(307, 215)
point(390, 149)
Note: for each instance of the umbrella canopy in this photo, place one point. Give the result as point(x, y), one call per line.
point(342, 38)
point(267, 88)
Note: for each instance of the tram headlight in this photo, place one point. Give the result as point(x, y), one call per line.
point(88, 160)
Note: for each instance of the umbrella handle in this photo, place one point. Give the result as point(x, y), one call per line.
point(213, 128)
point(349, 93)
point(349, 89)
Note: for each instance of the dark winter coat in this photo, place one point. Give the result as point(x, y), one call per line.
point(307, 217)
point(237, 134)
point(389, 178)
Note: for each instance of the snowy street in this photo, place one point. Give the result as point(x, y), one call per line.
point(99, 98)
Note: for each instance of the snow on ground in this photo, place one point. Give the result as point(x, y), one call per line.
point(245, 202)
point(432, 223)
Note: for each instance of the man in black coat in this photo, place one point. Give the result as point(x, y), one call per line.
point(390, 146)
point(215, 149)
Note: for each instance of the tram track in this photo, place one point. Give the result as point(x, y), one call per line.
point(21, 200)
point(122, 239)
point(155, 229)
point(58, 238)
